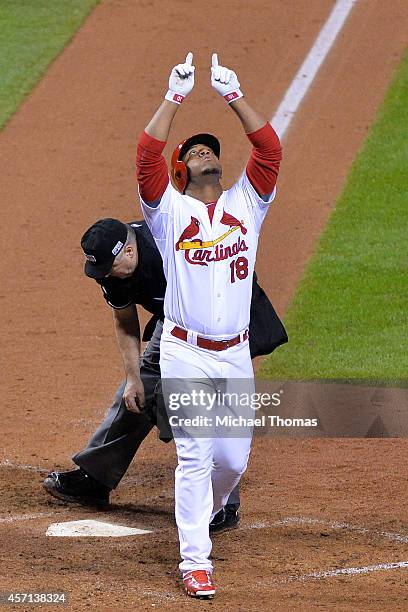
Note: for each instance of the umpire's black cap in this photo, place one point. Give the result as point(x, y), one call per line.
point(101, 243)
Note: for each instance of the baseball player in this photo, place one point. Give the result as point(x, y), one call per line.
point(124, 261)
point(208, 240)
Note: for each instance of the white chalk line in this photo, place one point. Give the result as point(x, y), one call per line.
point(268, 583)
point(335, 525)
point(22, 466)
point(304, 520)
point(24, 517)
point(308, 70)
point(161, 595)
point(350, 571)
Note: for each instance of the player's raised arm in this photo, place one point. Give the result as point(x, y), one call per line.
point(151, 166)
point(225, 82)
point(263, 166)
point(181, 82)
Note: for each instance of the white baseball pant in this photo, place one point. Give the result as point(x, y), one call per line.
point(208, 467)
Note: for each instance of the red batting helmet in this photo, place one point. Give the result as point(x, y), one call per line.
point(178, 168)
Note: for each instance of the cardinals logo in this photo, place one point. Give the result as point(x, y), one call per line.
point(228, 219)
point(190, 231)
point(189, 241)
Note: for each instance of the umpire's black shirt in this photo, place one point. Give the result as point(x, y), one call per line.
point(147, 285)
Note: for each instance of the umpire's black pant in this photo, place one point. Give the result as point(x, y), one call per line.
point(114, 444)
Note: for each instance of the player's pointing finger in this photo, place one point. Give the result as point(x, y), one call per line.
point(214, 60)
point(189, 58)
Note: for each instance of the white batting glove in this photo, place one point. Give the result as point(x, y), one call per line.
point(181, 80)
point(224, 81)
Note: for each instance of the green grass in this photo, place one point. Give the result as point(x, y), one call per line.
point(32, 34)
point(348, 318)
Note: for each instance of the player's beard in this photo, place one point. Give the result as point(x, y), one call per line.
point(214, 172)
point(211, 171)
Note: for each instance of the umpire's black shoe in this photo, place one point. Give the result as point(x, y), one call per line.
point(227, 518)
point(78, 487)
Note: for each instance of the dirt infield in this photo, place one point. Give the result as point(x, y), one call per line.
point(309, 506)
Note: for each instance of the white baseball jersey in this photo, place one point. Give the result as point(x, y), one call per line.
point(208, 266)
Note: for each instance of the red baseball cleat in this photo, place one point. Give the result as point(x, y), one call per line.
point(199, 583)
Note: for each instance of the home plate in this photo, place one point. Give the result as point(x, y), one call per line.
point(92, 529)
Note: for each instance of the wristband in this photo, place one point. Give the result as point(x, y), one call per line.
point(172, 96)
point(233, 95)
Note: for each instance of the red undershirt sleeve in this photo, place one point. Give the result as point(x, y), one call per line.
point(151, 169)
point(263, 166)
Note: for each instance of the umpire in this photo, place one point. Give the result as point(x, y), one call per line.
point(124, 260)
